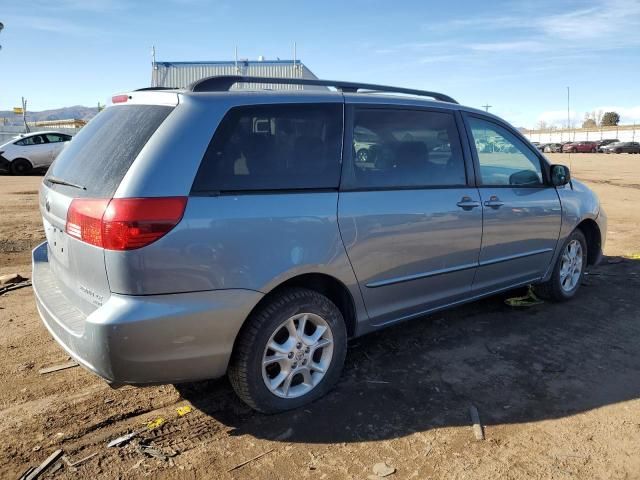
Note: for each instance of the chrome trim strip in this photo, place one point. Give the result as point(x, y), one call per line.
point(417, 276)
point(516, 256)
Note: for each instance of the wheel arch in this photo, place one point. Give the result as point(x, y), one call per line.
point(329, 286)
point(592, 234)
point(17, 159)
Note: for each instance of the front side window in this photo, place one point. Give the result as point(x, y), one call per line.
point(504, 159)
point(33, 140)
point(274, 147)
point(404, 149)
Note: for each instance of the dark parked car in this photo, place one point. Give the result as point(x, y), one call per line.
point(603, 143)
point(622, 147)
point(579, 147)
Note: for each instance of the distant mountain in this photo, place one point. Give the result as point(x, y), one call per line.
point(78, 112)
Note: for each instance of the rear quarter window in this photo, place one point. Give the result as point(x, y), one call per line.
point(274, 147)
point(102, 152)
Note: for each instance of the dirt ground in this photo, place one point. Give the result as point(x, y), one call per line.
point(557, 386)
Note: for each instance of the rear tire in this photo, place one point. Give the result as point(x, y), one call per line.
point(21, 166)
point(568, 271)
point(299, 369)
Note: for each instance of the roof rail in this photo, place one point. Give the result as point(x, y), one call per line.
point(223, 83)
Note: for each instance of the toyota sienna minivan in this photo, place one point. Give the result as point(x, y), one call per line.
point(198, 232)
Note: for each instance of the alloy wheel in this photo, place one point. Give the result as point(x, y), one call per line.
point(297, 356)
point(571, 266)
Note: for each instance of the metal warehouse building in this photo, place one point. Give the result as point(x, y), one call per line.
point(182, 74)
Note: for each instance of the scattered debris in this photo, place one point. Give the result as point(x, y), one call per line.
point(55, 368)
point(153, 424)
point(240, 465)
point(614, 260)
point(383, 470)
point(26, 366)
point(477, 426)
point(182, 411)
point(124, 439)
point(150, 451)
point(11, 278)
point(43, 467)
point(14, 286)
point(26, 473)
point(79, 462)
point(528, 300)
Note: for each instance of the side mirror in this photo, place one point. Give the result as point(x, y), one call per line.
point(560, 175)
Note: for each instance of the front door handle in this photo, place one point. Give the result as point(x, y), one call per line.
point(467, 203)
point(493, 202)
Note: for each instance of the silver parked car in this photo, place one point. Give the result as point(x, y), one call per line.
point(197, 232)
point(32, 150)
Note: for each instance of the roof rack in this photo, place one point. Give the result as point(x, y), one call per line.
point(154, 88)
point(223, 83)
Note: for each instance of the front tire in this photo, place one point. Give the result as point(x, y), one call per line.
point(290, 352)
point(568, 271)
point(21, 166)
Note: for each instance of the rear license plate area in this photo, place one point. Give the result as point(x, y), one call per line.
point(57, 241)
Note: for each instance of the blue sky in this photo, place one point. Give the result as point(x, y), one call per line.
point(516, 56)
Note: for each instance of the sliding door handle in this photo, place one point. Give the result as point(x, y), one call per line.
point(467, 203)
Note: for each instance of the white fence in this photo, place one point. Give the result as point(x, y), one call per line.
point(7, 132)
point(624, 133)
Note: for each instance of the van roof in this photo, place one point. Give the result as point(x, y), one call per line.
point(352, 92)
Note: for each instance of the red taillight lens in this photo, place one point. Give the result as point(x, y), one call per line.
point(119, 98)
point(123, 223)
point(84, 219)
point(132, 223)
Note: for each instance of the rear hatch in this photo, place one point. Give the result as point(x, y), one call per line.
point(91, 168)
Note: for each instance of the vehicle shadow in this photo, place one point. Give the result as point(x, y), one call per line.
point(515, 365)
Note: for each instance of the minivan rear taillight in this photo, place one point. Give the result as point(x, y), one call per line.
point(123, 223)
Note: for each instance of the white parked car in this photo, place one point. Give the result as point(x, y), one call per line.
point(32, 150)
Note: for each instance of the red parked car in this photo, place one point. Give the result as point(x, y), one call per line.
point(581, 147)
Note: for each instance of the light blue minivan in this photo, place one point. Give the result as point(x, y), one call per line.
point(208, 231)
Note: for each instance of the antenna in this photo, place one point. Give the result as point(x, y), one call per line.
point(487, 107)
point(236, 57)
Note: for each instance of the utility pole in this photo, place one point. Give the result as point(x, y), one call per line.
point(568, 114)
point(24, 115)
point(487, 107)
point(153, 66)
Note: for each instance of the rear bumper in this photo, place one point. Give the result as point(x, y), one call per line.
point(145, 339)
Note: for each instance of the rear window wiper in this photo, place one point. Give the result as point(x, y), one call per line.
point(59, 181)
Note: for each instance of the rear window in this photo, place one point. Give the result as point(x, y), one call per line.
point(274, 147)
point(99, 156)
